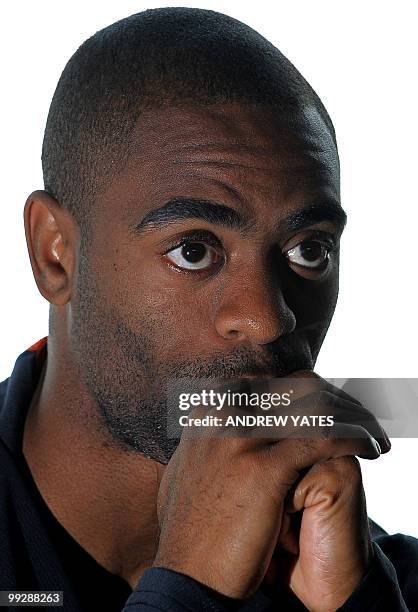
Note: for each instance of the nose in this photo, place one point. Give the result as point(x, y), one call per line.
point(254, 309)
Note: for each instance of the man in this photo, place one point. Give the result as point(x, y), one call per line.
point(189, 227)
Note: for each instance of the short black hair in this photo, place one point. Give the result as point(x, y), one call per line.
point(153, 59)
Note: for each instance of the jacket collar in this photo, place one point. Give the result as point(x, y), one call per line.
point(16, 393)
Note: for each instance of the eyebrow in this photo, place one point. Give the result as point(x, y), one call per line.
point(183, 209)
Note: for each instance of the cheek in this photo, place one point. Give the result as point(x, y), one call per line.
point(173, 309)
point(313, 304)
point(312, 301)
point(317, 303)
point(322, 312)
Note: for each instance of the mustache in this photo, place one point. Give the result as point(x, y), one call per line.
point(277, 361)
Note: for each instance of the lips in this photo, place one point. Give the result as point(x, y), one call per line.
point(251, 376)
point(263, 374)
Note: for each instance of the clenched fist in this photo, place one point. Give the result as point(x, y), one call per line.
point(236, 510)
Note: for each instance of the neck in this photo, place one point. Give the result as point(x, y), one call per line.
point(104, 496)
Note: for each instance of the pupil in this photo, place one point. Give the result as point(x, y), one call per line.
point(311, 251)
point(193, 252)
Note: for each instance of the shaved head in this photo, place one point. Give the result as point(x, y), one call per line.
point(153, 59)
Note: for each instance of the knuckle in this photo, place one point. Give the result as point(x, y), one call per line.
point(346, 465)
point(330, 400)
point(343, 470)
point(336, 477)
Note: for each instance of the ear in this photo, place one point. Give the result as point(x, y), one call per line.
point(52, 238)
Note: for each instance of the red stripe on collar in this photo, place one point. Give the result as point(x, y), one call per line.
point(38, 346)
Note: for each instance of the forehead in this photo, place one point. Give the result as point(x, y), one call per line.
point(251, 156)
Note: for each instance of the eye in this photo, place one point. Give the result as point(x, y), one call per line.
point(311, 254)
point(193, 255)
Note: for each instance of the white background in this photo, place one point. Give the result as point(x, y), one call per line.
point(361, 57)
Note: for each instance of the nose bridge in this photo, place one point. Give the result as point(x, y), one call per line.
point(254, 307)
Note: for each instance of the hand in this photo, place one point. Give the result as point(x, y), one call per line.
point(324, 547)
point(223, 502)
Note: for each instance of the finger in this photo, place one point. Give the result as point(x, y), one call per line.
point(295, 454)
point(288, 537)
point(324, 480)
point(357, 414)
point(342, 411)
point(313, 382)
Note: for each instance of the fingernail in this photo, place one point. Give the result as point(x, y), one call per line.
point(377, 446)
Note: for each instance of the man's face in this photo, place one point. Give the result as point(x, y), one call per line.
point(214, 253)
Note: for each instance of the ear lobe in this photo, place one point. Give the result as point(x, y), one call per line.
point(51, 236)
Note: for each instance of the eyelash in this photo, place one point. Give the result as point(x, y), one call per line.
point(324, 238)
point(328, 243)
